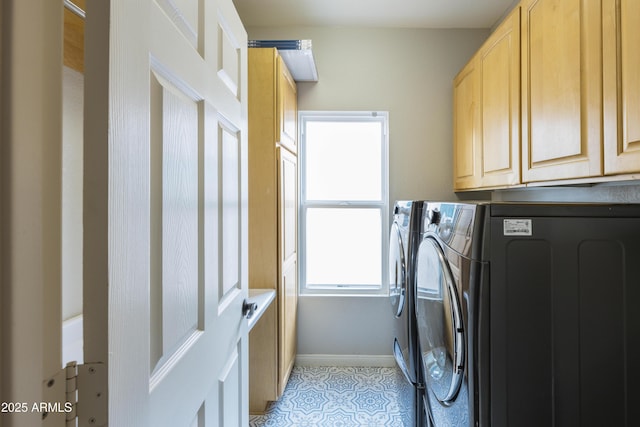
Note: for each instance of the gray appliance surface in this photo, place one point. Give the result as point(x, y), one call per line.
point(444, 309)
point(564, 319)
point(401, 296)
point(548, 299)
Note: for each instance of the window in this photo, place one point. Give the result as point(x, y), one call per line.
point(343, 202)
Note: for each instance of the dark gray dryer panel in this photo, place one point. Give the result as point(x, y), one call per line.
point(564, 317)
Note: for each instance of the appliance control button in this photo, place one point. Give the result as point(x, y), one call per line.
point(434, 217)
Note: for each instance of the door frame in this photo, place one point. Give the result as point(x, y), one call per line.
point(30, 202)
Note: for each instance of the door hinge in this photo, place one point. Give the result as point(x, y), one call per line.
point(76, 396)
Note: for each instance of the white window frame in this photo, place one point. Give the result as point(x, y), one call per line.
point(382, 205)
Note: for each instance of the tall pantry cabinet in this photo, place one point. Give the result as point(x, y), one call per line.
point(273, 191)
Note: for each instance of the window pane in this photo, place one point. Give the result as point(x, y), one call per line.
point(343, 160)
point(343, 247)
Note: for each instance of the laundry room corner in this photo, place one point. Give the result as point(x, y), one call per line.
point(347, 331)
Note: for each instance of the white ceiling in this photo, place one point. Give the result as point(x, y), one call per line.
point(373, 13)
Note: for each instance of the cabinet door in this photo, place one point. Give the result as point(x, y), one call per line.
point(499, 66)
point(288, 286)
point(465, 128)
point(561, 89)
point(288, 204)
point(288, 314)
point(621, 57)
point(287, 104)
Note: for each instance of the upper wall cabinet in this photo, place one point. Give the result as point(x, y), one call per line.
point(487, 112)
point(561, 89)
point(579, 118)
point(499, 65)
point(466, 128)
point(621, 77)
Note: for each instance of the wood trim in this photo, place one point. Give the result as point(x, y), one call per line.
point(74, 38)
point(621, 81)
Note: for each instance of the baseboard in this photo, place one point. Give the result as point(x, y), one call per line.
point(359, 360)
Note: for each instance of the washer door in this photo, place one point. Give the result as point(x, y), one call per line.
point(397, 271)
point(440, 325)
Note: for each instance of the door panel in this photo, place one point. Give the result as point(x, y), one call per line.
point(288, 280)
point(288, 319)
point(184, 15)
point(561, 89)
point(174, 218)
point(231, 213)
point(229, 65)
point(166, 254)
point(621, 86)
point(287, 104)
point(289, 205)
point(496, 106)
point(466, 128)
point(499, 65)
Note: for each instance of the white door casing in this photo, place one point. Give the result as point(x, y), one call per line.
point(165, 210)
point(30, 221)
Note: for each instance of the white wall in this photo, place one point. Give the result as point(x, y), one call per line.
point(408, 72)
point(72, 152)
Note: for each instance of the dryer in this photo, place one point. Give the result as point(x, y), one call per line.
point(527, 313)
point(404, 231)
point(443, 267)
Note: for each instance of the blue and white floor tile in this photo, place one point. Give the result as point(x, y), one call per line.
point(336, 397)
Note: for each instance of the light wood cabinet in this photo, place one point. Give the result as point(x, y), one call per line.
point(487, 112)
point(288, 261)
point(561, 89)
point(499, 67)
point(578, 98)
point(74, 38)
point(621, 79)
point(466, 128)
point(272, 223)
point(287, 108)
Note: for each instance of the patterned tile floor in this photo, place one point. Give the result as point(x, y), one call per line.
point(336, 397)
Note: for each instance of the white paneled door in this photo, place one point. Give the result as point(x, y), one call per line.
point(165, 218)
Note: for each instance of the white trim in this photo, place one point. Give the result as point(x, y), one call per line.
point(72, 340)
point(30, 193)
point(359, 360)
point(382, 205)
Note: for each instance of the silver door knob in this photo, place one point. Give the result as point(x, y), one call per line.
point(248, 308)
